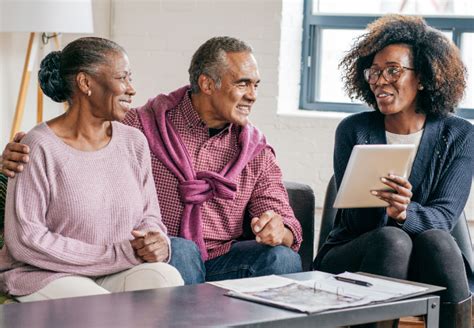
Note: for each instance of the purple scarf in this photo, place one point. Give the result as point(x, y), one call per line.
point(194, 187)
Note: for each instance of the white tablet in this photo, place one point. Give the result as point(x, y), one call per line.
point(367, 164)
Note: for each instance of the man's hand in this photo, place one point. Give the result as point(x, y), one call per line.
point(14, 156)
point(270, 230)
point(150, 246)
point(398, 199)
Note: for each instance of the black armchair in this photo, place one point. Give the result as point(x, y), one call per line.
point(460, 231)
point(329, 212)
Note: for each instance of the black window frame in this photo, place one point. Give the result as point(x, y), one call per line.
point(313, 24)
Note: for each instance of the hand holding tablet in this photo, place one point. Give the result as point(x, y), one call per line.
point(367, 165)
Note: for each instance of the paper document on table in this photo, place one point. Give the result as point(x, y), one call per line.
point(301, 296)
point(252, 284)
point(318, 294)
point(257, 283)
point(380, 289)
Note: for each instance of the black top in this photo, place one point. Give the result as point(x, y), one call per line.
point(441, 176)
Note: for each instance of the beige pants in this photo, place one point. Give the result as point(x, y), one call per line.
point(142, 276)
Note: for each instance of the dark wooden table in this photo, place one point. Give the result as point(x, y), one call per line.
point(198, 305)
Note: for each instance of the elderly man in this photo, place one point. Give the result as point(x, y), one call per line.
point(210, 167)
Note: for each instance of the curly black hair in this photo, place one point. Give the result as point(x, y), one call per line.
point(435, 58)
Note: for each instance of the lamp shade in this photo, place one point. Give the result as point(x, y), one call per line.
point(66, 16)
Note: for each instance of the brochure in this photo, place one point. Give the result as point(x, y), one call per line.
point(323, 293)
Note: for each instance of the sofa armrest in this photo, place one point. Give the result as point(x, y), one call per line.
point(301, 198)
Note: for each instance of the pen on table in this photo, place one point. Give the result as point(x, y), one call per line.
point(353, 281)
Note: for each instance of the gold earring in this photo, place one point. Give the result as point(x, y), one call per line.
point(89, 92)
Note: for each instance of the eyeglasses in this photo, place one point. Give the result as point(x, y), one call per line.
point(391, 74)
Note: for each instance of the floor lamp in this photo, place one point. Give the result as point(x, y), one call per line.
point(43, 19)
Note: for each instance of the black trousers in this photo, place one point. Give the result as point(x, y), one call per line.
point(432, 257)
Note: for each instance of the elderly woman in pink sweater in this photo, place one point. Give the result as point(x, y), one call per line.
point(83, 218)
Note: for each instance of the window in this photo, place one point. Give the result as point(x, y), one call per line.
point(331, 27)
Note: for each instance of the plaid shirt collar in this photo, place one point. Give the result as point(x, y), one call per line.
point(193, 120)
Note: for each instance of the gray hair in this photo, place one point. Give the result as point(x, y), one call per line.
point(58, 69)
point(210, 59)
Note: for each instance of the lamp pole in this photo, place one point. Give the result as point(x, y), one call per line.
point(31, 53)
point(30, 58)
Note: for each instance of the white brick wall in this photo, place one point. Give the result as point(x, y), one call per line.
point(161, 36)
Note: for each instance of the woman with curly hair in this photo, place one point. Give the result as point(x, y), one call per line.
point(413, 76)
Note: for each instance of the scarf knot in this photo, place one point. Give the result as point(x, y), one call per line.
point(206, 186)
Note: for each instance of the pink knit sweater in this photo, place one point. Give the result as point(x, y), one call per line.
point(72, 212)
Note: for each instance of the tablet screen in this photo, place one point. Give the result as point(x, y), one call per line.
point(367, 164)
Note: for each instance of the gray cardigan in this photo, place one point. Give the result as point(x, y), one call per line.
point(441, 175)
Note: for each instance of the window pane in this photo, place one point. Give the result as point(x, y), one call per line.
point(449, 34)
point(329, 87)
point(467, 52)
point(419, 7)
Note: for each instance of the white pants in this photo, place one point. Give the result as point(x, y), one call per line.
point(142, 276)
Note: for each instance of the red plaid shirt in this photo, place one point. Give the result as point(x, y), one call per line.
point(260, 186)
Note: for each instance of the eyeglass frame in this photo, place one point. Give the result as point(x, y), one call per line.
point(381, 72)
